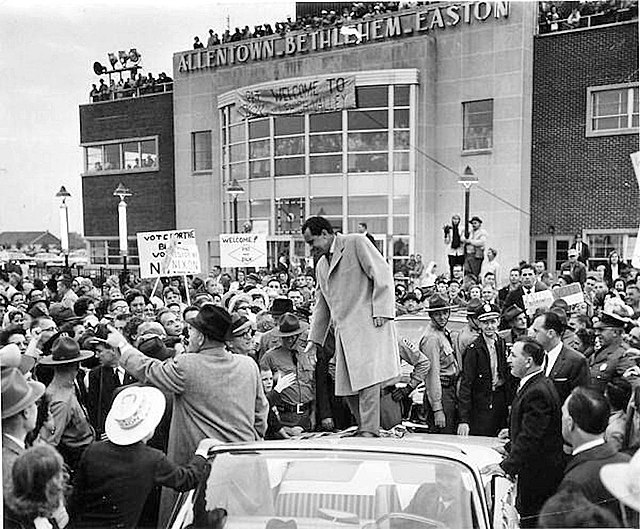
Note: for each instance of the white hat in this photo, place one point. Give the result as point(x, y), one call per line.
point(623, 481)
point(134, 414)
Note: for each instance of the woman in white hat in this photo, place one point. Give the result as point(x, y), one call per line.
point(116, 476)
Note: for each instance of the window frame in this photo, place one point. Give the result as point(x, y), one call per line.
point(592, 91)
point(194, 169)
point(481, 150)
point(121, 142)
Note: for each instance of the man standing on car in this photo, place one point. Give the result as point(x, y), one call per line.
point(440, 392)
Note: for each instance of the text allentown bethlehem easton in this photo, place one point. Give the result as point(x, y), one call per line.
point(396, 26)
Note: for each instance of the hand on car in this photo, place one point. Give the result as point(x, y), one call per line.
point(439, 419)
point(463, 429)
point(400, 393)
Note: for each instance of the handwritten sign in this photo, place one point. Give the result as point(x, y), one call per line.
point(572, 293)
point(326, 94)
point(168, 253)
point(240, 250)
point(537, 300)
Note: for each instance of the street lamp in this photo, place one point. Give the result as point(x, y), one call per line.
point(467, 179)
point(63, 194)
point(234, 190)
point(122, 192)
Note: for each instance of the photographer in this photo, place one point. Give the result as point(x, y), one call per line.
point(453, 239)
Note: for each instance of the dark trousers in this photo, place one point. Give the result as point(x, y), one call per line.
point(449, 406)
point(365, 407)
point(474, 264)
point(492, 417)
point(390, 410)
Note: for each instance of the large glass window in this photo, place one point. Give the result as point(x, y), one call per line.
point(125, 156)
point(478, 125)
point(613, 110)
point(201, 150)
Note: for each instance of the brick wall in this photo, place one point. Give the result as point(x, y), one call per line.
point(578, 182)
point(152, 206)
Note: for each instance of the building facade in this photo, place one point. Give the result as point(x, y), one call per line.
point(435, 89)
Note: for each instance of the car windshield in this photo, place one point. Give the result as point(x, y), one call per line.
point(292, 489)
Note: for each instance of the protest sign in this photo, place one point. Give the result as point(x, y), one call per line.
point(168, 253)
point(242, 250)
point(537, 300)
point(572, 293)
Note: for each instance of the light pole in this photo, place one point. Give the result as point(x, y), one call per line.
point(234, 190)
point(63, 194)
point(467, 179)
point(122, 192)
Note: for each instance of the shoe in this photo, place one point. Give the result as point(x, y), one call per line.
point(360, 433)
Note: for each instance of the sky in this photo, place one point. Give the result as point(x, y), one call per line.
point(47, 51)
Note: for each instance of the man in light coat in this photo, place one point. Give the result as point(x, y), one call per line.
point(355, 296)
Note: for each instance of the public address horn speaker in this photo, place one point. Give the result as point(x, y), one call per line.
point(98, 68)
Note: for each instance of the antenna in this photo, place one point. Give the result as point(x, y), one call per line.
point(228, 23)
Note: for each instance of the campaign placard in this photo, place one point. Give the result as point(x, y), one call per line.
point(572, 293)
point(537, 300)
point(168, 253)
point(243, 250)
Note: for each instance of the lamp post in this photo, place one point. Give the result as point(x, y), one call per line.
point(122, 192)
point(467, 179)
point(234, 190)
point(63, 194)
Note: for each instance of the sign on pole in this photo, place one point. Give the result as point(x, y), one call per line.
point(242, 250)
point(168, 253)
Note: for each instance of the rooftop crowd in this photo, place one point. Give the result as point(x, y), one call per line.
point(138, 85)
point(110, 389)
point(561, 16)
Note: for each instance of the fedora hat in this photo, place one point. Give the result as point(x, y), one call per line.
point(438, 302)
point(472, 306)
point(134, 414)
point(280, 306)
point(623, 481)
point(10, 356)
point(61, 314)
point(212, 321)
point(65, 350)
point(289, 325)
point(239, 325)
point(511, 313)
point(18, 393)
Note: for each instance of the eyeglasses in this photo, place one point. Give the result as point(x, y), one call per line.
point(247, 334)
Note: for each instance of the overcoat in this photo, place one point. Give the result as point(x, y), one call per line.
point(354, 289)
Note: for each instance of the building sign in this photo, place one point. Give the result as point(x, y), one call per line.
point(322, 94)
point(423, 20)
point(168, 253)
point(242, 250)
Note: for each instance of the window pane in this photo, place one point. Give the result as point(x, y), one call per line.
point(112, 156)
point(326, 206)
point(478, 125)
point(541, 251)
point(372, 205)
point(97, 252)
point(373, 119)
point(401, 225)
point(238, 170)
point(400, 246)
point(609, 123)
point(289, 125)
point(400, 161)
point(259, 169)
point(238, 152)
point(94, 159)
point(326, 164)
point(325, 143)
point(131, 155)
point(401, 96)
point(259, 149)
point(401, 118)
point(235, 116)
point(374, 224)
point(401, 139)
point(368, 141)
point(202, 159)
point(372, 96)
point(611, 102)
point(562, 251)
point(260, 208)
point(401, 205)
point(289, 166)
point(326, 122)
point(288, 146)
point(149, 154)
point(259, 128)
point(368, 163)
point(236, 133)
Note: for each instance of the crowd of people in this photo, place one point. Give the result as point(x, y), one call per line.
point(137, 85)
point(100, 379)
point(560, 16)
point(326, 19)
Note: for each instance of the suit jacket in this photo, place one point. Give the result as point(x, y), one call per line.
point(113, 482)
point(355, 288)
point(10, 452)
point(534, 451)
point(608, 274)
point(583, 252)
point(583, 471)
point(569, 371)
point(515, 297)
point(103, 383)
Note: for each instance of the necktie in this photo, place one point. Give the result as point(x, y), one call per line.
point(118, 376)
point(329, 257)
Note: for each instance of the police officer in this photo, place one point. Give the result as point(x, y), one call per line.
point(610, 360)
point(470, 332)
point(440, 395)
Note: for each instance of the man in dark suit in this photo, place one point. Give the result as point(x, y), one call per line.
point(529, 286)
point(362, 228)
point(582, 249)
point(565, 367)
point(585, 416)
point(104, 380)
point(534, 451)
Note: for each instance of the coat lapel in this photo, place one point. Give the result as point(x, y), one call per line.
point(337, 253)
point(557, 367)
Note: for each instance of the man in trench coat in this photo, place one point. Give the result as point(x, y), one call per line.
point(355, 296)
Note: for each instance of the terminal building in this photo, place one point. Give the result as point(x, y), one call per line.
point(379, 122)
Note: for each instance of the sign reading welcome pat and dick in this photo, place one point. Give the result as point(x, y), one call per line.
point(243, 250)
point(168, 253)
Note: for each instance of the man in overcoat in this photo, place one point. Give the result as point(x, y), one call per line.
point(355, 296)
